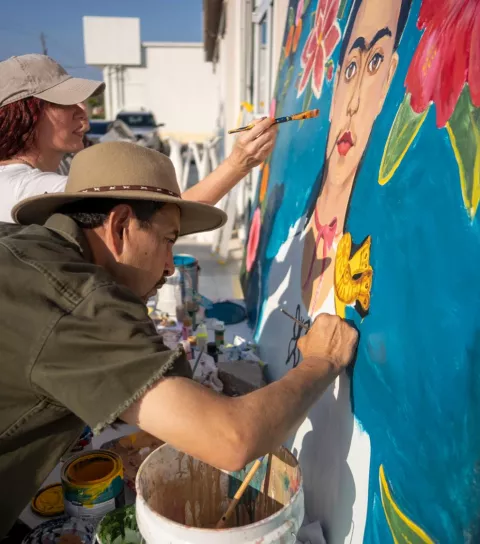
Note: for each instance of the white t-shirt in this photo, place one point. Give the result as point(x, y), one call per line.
point(20, 181)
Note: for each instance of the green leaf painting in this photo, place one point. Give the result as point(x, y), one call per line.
point(404, 129)
point(281, 62)
point(341, 9)
point(291, 17)
point(305, 6)
point(288, 80)
point(403, 529)
point(463, 129)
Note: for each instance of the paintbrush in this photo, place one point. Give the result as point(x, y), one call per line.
point(197, 361)
point(309, 114)
point(299, 323)
point(239, 493)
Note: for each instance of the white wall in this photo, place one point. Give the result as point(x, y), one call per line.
point(232, 64)
point(280, 10)
point(111, 40)
point(176, 84)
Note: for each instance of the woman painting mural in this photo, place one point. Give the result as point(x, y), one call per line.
point(43, 117)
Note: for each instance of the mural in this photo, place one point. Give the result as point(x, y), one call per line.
point(370, 212)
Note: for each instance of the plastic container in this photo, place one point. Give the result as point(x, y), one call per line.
point(219, 333)
point(169, 296)
point(187, 329)
point(180, 500)
point(202, 336)
point(188, 268)
point(212, 350)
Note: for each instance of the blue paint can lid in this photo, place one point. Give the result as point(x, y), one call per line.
point(184, 260)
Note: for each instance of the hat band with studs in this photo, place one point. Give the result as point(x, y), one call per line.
point(107, 188)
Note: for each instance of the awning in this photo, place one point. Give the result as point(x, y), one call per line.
point(212, 17)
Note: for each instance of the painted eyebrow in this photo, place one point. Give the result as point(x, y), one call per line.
point(361, 44)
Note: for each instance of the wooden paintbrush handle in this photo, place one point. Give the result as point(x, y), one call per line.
point(239, 493)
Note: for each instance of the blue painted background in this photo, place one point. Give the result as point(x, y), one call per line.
point(416, 383)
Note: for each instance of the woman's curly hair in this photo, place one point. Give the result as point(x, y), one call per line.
point(18, 126)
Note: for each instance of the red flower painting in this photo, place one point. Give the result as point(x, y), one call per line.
point(320, 44)
point(447, 57)
point(253, 239)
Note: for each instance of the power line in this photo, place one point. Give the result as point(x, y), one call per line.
point(43, 41)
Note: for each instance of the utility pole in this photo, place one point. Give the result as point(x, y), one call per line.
point(43, 41)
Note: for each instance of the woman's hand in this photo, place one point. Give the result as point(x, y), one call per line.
point(253, 146)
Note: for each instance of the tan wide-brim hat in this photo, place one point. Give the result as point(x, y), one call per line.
point(40, 76)
point(121, 170)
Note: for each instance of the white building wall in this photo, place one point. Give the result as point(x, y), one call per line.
point(175, 83)
point(236, 58)
point(280, 10)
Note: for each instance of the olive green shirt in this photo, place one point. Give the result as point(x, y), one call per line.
point(75, 348)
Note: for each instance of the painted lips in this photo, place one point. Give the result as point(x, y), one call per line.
point(345, 143)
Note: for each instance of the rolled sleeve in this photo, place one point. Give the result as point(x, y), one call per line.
point(103, 356)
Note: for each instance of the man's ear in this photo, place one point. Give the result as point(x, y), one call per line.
point(116, 227)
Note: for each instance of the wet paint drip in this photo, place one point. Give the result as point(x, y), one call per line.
point(93, 484)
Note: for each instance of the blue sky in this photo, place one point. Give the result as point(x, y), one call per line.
point(22, 22)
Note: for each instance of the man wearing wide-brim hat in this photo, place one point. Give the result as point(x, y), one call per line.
point(77, 345)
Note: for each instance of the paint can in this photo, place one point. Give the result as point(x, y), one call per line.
point(93, 484)
point(219, 333)
point(188, 268)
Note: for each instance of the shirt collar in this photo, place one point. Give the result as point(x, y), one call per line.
point(66, 227)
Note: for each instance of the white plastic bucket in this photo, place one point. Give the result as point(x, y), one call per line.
point(180, 499)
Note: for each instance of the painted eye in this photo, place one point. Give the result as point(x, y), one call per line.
point(375, 63)
point(351, 70)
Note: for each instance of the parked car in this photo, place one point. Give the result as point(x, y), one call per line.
point(112, 131)
point(102, 131)
point(98, 128)
point(145, 127)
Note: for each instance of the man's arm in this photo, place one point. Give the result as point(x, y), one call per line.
point(251, 148)
point(230, 432)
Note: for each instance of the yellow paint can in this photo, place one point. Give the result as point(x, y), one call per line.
point(93, 484)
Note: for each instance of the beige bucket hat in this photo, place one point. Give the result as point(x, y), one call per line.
point(42, 77)
point(121, 170)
